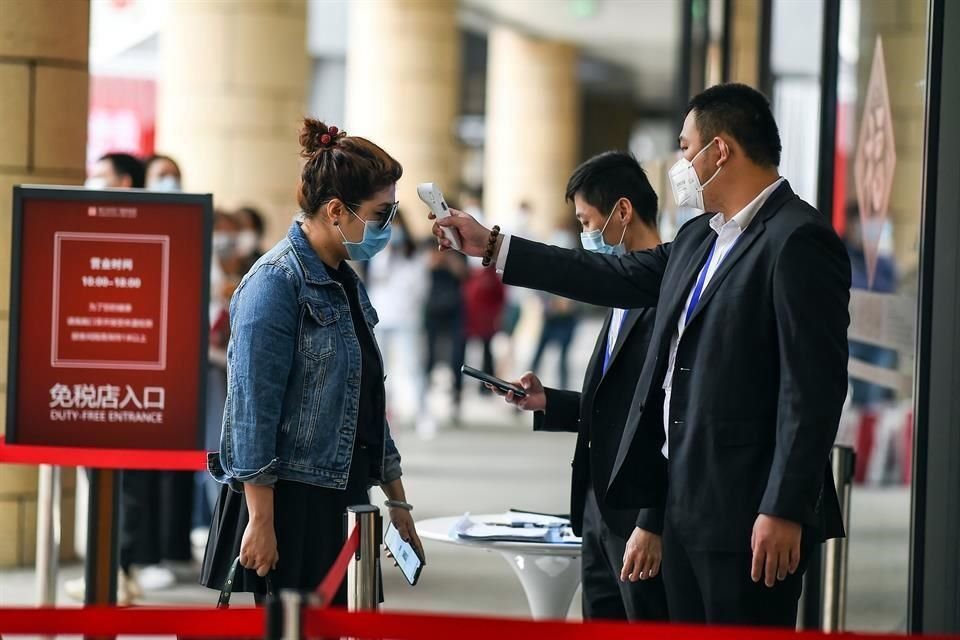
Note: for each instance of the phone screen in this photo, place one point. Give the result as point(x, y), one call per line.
point(403, 552)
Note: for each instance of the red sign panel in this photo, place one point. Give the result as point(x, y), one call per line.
point(108, 319)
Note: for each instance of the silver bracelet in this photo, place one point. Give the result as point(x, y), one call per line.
point(398, 504)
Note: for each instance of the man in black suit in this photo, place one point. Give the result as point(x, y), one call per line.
point(746, 375)
point(617, 208)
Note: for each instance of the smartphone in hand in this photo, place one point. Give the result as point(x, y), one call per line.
point(502, 385)
point(403, 552)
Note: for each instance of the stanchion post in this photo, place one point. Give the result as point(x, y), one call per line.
point(835, 551)
point(292, 604)
point(48, 534)
point(363, 592)
point(100, 567)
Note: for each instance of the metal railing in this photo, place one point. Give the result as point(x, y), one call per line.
point(835, 551)
point(363, 584)
point(823, 605)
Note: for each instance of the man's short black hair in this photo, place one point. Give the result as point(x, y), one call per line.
point(125, 164)
point(609, 176)
point(743, 113)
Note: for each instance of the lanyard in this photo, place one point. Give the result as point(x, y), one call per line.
point(698, 290)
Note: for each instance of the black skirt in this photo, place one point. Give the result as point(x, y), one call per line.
point(310, 524)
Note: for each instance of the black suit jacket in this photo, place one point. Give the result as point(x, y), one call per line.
point(598, 415)
point(761, 371)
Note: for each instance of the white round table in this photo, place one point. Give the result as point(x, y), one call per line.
point(549, 573)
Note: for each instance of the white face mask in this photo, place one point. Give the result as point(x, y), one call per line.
point(224, 244)
point(95, 183)
point(246, 242)
point(687, 190)
point(165, 183)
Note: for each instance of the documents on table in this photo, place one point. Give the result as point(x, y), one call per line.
point(515, 527)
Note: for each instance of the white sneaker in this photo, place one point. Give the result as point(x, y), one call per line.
point(75, 589)
point(198, 538)
point(127, 589)
point(155, 578)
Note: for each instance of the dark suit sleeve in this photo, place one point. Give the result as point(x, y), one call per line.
point(811, 297)
point(627, 282)
point(562, 413)
point(651, 519)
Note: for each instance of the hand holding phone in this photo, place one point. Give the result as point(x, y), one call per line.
point(527, 394)
point(406, 557)
point(493, 381)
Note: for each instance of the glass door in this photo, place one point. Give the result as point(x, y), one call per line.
point(877, 204)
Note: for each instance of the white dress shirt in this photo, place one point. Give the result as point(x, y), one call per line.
point(613, 333)
point(727, 234)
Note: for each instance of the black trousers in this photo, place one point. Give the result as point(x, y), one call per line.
point(488, 364)
point(446, 331)
point(156, 509)
point(557, 330)
point(605, 597)
point(715, 587)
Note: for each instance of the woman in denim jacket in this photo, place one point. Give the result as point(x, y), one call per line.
point(304, 428)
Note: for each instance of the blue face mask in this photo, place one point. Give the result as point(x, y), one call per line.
point(374, 240)
point(593, 240)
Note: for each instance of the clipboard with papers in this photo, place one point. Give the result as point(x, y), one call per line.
point(514, 526)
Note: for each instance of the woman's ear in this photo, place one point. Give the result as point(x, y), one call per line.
point(332, 211)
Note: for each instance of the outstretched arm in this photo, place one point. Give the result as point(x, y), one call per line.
point(629, 281)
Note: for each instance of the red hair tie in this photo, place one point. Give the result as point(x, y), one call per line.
point(330, 138)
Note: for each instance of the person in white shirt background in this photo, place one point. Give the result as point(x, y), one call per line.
point(397, 280)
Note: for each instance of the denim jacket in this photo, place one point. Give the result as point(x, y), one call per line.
point(293, 367)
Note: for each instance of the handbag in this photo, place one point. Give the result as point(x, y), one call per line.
point(223, 602)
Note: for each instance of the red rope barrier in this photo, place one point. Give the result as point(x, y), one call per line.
point(334, 578)
point(238, 622)
point(250, 622)
point(408, 626)
point(159, 459)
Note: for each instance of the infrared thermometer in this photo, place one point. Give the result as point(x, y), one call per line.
point(432, 196)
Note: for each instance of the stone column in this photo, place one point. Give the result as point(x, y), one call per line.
point(231, 96)
point(43, 125)
point(745, 42)
point(403, 81)
point(532, 127)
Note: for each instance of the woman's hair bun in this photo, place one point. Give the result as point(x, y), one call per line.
point(315, 136)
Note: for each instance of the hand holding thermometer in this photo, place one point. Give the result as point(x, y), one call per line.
point(432, 196)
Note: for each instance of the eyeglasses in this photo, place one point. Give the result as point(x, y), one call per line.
point(384, 216)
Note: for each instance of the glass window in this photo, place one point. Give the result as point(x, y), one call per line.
point(876, 209)
point(795, 56)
